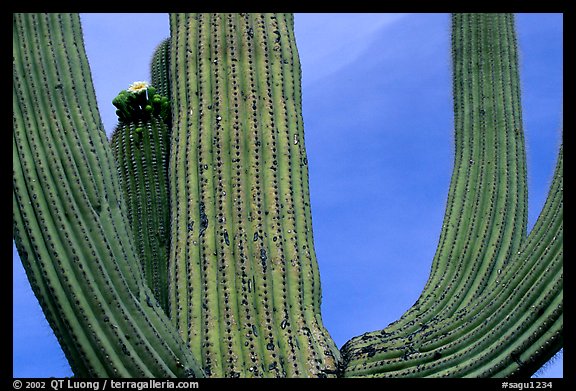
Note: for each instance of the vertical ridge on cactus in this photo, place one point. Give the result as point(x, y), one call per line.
point(184, 247)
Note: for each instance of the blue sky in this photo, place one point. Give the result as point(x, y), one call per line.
point(378, 121)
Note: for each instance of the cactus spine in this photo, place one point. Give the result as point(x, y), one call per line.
point(241, 293)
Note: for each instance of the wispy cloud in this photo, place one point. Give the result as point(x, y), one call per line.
point(328, 42)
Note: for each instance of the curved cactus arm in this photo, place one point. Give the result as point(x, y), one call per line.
point(486, 215)
point(244, 281)
point(70, 218)
point(513, 328)
point(483, 267)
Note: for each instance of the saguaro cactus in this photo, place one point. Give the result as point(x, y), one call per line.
point(184, 246)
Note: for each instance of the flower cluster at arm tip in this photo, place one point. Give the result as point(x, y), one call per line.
point(141, 101)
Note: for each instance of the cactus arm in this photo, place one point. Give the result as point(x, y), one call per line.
point(160, 68)
point(234, 192)
point(486, 216)
point(70, 216)
point(480, 284)
point(32, 250)
point(537, 272)
point(141, 152)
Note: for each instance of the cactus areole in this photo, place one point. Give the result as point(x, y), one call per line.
point(183, 246)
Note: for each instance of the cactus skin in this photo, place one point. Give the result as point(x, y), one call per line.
point(244, 293)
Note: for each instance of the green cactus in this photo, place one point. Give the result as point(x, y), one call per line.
point(183, 247)
point(140, 149)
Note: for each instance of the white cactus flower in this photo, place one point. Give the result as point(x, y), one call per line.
point(138, 86)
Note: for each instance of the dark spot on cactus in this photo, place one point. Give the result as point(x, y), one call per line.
point(270, 346)
point(370, 351)
point(226, 238)
point(284, 324)
point(207, 371)
point(365, 337)
point(149, 302)
point(263, 258)
point(515, 356)
point(203, 219)
point(189, 373)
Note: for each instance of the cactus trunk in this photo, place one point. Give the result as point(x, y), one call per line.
point(240, 200)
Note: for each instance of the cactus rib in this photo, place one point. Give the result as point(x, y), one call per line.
point(160, 68)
